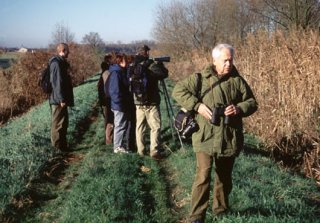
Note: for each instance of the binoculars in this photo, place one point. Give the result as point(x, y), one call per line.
point(217, 113)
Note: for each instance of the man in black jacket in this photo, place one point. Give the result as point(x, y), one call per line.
point(61, 97)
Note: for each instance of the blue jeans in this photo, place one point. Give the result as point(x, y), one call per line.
point(120, 129)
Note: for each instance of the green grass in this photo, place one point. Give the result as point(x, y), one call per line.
point(262, 191)
point(25, 142)
point(108, 187)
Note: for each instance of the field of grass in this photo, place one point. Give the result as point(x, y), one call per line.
point(25, 143)
point(97, 185)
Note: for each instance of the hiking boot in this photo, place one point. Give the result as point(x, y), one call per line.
point(157, 155)
point(120, 150)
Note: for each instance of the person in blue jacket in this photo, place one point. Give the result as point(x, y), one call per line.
point(121, 104)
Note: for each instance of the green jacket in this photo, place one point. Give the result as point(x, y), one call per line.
point(223, 140)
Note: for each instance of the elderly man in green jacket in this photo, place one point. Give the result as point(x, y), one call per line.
point(225, 99)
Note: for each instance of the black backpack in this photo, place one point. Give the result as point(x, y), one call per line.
point(44, 80)
point(138, 79)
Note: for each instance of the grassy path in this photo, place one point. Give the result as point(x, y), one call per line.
point(105, 187)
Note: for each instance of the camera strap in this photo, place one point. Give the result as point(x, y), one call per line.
point(199, 85)
point(223, 95)
point(210, 88)
point(214, 85)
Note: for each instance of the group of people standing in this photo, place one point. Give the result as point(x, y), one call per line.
point(127, 112)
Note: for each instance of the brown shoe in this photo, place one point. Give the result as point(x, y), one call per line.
point(157, 156)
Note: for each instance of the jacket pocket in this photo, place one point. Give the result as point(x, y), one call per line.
point(206, 131)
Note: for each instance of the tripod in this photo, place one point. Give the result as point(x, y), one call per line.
point(170, 112)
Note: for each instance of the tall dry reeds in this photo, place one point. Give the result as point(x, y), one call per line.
point(284, 72)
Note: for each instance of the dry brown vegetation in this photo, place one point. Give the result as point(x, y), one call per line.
point(283, 70)
point(18, 85)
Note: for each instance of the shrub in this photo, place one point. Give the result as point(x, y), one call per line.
point(19, 89)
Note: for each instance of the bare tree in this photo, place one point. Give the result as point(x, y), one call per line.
point(167, 25)
point(286, 14)
point(183, 26)
point(62, 34)
point(94, 40)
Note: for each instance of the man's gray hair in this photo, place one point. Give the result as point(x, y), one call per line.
point(217, 50)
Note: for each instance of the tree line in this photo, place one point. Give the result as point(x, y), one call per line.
point(183, 26)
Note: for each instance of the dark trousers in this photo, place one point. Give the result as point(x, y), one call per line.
point(59, 126)
point(108, 123)
point(201, 185)
point(131, 136)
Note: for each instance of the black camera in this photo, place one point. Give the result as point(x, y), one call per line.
point(217, 113)
point(185, 123)
point(162, 59)
point(191, 127)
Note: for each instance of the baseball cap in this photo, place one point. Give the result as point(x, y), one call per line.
point(143, 48)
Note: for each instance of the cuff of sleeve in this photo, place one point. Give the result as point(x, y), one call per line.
point(242, 109)
point(196, 107)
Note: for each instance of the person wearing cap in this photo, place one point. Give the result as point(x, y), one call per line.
point(148, 108)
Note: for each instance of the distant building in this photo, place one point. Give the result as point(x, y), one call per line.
point(23, 50)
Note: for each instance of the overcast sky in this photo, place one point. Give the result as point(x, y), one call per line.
point(30, 23)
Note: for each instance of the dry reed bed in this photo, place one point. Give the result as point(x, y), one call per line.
point(283, 70)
